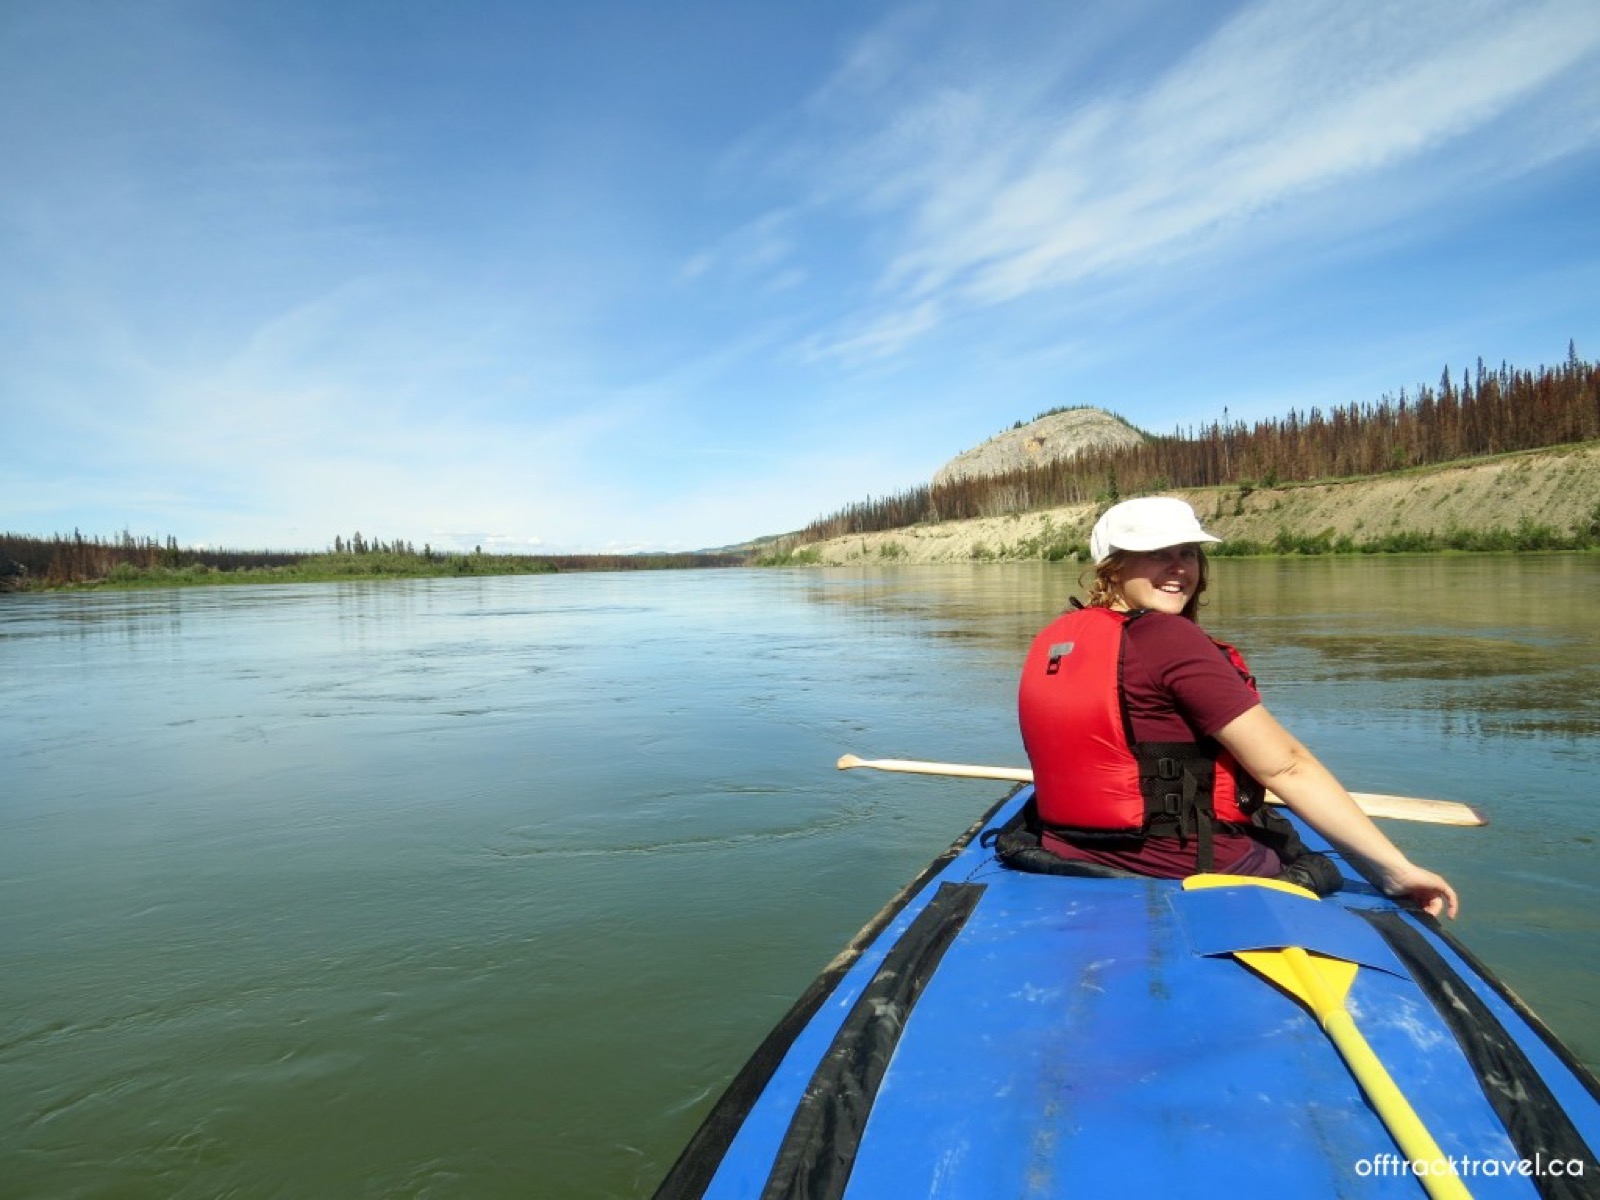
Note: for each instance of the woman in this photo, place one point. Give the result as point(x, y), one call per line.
point(1150, 745)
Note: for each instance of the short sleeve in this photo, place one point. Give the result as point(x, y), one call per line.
point(1178, 683)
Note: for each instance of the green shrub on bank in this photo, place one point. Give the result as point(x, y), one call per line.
point(1525, 536)
point(1052, 544)
point(805, 556)
point(326, 568)
point(399, 565)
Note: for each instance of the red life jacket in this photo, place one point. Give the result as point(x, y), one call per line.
point(1091, 775)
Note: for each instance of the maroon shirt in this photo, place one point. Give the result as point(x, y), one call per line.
point(1179, 687)
point(1178, 684)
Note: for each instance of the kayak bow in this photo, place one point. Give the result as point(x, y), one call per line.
point(997, 1033)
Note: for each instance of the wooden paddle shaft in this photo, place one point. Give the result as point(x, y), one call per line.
point(1396, 808)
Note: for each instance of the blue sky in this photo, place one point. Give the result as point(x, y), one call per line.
point(616, 276)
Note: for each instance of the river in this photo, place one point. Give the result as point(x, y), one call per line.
point(486, 887)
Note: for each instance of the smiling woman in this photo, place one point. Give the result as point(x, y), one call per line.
point(1150, 745)
point(1147, 556)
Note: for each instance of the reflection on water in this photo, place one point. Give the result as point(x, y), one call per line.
point(1424, 656)
point(485, 887)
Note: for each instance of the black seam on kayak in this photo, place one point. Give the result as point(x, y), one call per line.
point(1535, 1120)
point(1554, 1044)
point(819, 1150)
point(698, 1164)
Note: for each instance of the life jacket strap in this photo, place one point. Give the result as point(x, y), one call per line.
point(1177, 779)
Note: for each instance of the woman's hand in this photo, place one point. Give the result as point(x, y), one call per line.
point(1431, 893)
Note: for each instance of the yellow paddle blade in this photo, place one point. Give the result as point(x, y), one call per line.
point(1195, 883)
point(1320, 983)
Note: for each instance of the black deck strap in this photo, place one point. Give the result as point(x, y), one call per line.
point(1018, 845)
point(698, 1163)
point(1535, 1120)
point(819, 1149)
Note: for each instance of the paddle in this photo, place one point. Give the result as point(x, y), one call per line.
point(1321, 983)
point(1398, 808)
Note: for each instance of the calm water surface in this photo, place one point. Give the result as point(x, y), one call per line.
point(487, 887)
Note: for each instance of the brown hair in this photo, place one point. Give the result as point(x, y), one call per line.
point(1105, 590)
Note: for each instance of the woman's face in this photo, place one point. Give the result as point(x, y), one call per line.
point(1163, 580)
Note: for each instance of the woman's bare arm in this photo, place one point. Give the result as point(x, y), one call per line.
point(1275, 757)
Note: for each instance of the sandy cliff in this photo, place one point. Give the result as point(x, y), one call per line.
point(1558, 488)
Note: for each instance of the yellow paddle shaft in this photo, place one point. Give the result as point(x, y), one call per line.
point(1432, 1168)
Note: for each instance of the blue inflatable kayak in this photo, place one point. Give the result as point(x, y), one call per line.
point(996, 1033)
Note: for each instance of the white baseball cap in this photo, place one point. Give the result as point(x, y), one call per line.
point(1149, 523)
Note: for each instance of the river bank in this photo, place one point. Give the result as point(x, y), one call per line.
point(1534, 500)
point(76, 566)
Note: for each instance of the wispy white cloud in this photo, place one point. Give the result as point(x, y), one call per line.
point(991, 187)
point(758, 255)
point(877, 335)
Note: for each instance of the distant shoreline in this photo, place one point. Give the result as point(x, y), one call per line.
point(120, 568)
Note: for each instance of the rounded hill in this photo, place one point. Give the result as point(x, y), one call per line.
point(1050, 438)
